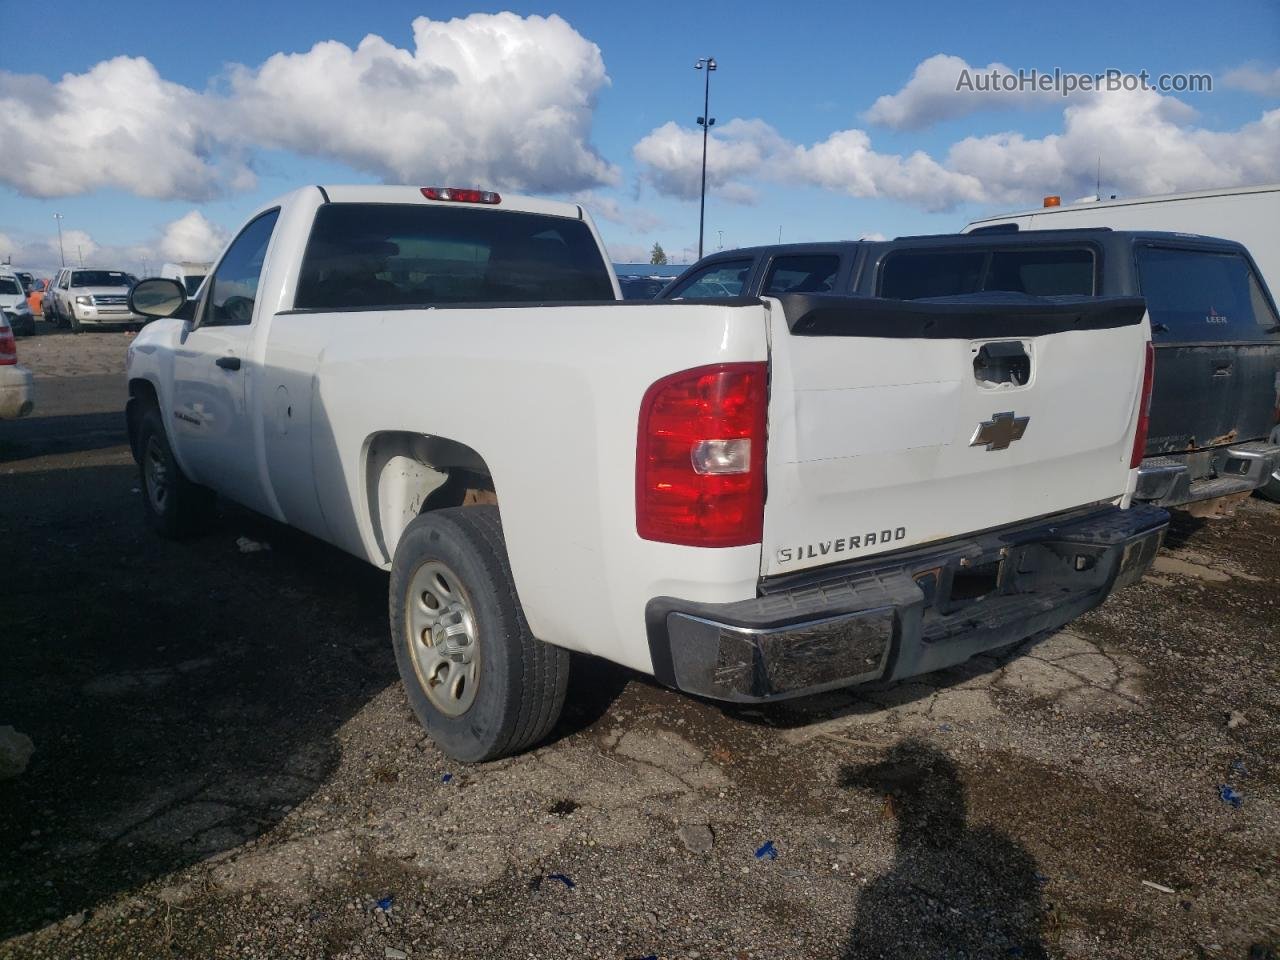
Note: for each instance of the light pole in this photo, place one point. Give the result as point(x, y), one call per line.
point(706, 121)
point(721, 232)
point(61, 255)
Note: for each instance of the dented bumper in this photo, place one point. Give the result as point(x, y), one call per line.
point(903, 614)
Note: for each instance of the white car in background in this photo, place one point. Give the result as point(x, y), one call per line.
point(87, 295)
point(14, 309)
point(17, 396)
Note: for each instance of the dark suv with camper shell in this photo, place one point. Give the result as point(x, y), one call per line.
point(1216, 396)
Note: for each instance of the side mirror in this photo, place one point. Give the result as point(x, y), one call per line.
point(157, 297)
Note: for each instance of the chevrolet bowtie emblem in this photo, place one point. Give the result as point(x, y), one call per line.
point(1000, 431)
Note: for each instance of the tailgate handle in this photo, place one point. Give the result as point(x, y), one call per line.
point(1222, 369)
point(1000, 363)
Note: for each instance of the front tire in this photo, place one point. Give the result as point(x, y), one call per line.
point(482, 685)
point(174, 506)
point(75, 323)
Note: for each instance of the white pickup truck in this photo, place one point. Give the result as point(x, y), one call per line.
point(748, 499)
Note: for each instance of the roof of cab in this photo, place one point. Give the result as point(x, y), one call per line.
point(1103, 235)
point(373, 193)
point(834, 246)
point(984, 239)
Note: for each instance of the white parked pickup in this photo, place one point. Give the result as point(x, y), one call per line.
point(749, 499)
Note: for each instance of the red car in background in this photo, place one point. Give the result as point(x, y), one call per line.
point(35, 296)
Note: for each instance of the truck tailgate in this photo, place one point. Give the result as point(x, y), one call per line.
point(893, 424)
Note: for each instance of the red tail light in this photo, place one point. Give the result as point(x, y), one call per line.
point(1144, 409)
point(700, 457)
point(8, 346)
point(459, 195)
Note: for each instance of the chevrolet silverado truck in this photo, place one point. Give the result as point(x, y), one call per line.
point(748, 498)
point(1216, 393)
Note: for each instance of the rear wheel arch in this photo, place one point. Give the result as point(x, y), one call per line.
point(408, 474)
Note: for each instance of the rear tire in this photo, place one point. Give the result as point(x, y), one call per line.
point(482, 685)
point(174, 506)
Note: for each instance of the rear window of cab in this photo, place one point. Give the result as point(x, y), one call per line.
point(1037, 271)
point(369, 255)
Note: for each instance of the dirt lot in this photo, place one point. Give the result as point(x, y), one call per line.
point(225, 765)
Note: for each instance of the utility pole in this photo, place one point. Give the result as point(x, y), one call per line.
point(61, 255)
point(721, 232)
point(80, 254)
point(706, 121)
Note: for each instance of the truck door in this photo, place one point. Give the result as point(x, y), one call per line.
point(214, 378)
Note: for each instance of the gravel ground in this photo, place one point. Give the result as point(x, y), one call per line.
point(225, 765)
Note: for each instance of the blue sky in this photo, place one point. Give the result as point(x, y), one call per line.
point(806, 70)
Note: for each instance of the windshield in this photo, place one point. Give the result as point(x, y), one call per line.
point(724, 278)
point(100, 278)
point(10, 286)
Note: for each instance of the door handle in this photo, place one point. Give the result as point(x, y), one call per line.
point(228, 363)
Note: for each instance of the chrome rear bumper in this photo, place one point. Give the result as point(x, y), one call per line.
point(901, 614)
point(1173, 480)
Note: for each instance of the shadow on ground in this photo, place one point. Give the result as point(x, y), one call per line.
point(953, 890)
point(181, 697)
point(42, 436)
point(1182, 529)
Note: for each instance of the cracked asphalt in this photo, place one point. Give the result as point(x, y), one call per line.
point(225, 765)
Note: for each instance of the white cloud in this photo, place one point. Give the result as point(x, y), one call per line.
point(845, 161)
point(495, 100)
point(118, 125)
point(1254, 79)
point(620, 252)
point(1147, 143)
point(603, 207)
point(486, 100)
point(671, 158)
point(931, 96)
point(192, 237)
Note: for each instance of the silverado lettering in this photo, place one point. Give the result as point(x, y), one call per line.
point(843, 545)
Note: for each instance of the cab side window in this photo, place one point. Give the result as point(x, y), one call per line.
point(727, 278)
point(811, 273)
point(233, 288)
